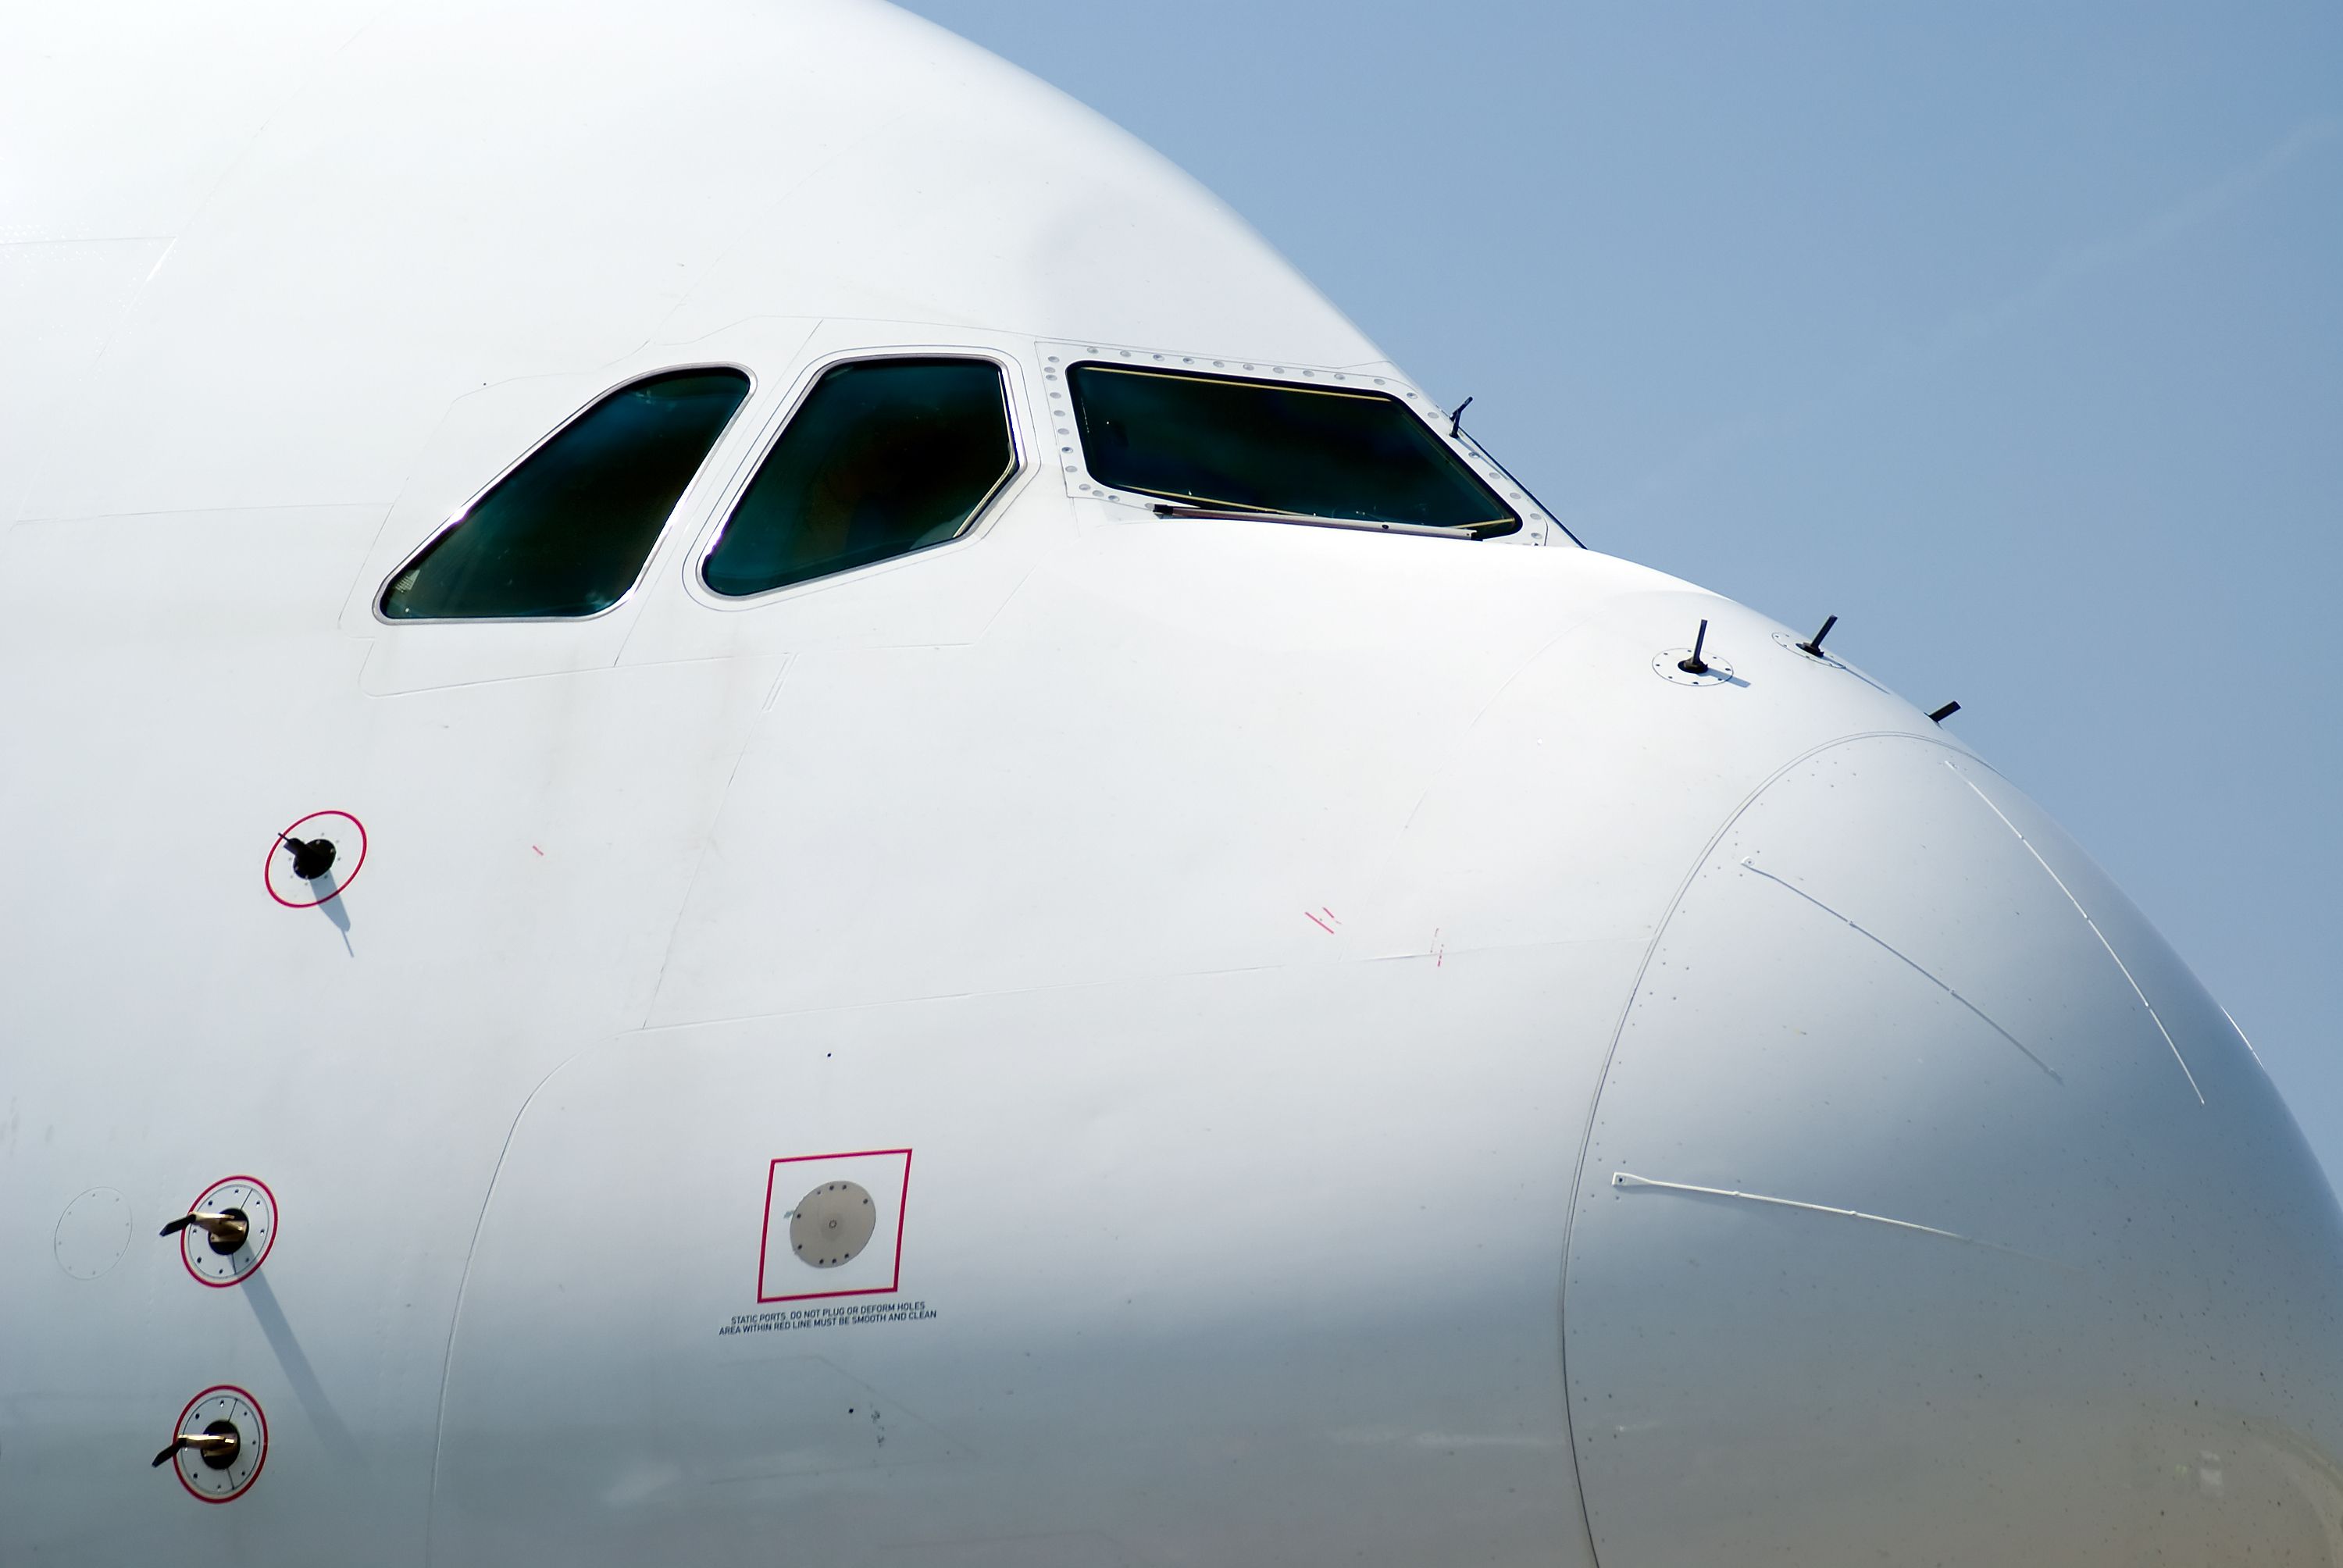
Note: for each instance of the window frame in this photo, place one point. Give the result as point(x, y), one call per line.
point(1021, 469)
point(1539, 526)
point(456, 518)
point(1511, 519)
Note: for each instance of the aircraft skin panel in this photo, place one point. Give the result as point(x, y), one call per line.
point(60, 302)
point(1406, 758)
point(368, 1059)
point(1335, 1231)
point(436, 207)
point(1115, 1039)
point(2067, 1323)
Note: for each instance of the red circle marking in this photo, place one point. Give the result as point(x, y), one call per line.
point(277, 848)
point(186, 1258)
point(259, 1415)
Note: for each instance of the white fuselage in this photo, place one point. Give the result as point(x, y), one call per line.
point(1359, 1057)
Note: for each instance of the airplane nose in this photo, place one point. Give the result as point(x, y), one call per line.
point(1932, 1212)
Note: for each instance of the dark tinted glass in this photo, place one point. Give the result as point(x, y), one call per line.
point(567, 532)
point(1261, 445)
point(885, 456)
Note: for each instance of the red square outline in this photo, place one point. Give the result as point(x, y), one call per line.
point(902, 1205)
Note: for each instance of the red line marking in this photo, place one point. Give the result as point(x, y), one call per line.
point(848, 1155)
point(534, 847)
point(258, 1415)
point(186, 1247)
point(1319, 923)
point(902, 1205)
point(1330, 914)
point(267, 866)
point(765, 1234)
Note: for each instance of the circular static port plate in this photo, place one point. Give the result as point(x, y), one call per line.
point(93, 1233)
point(832, 1224)
point(1668, 665)
point(231, 1404)
point(345, 832)
point(251, 1198)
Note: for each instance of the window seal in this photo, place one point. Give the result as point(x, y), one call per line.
point(1022, 466)
point(1397, 392)
point(1472, 533)
point(455, 519)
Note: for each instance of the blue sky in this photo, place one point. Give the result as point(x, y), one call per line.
point(2011, 334)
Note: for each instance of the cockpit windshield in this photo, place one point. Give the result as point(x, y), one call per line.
point(1219, 441)
point(567, 531)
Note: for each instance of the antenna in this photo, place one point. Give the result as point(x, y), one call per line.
point(1695, 664)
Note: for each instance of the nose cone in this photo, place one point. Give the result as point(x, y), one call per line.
point(1933, 1212)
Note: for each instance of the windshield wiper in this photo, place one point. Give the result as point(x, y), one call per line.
point(1496, 528)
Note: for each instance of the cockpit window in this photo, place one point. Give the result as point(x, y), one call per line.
point(884, 457)
point(1219, 441)
point(567, 532)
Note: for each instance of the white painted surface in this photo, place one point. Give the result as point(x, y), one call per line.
point(1234, 921)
